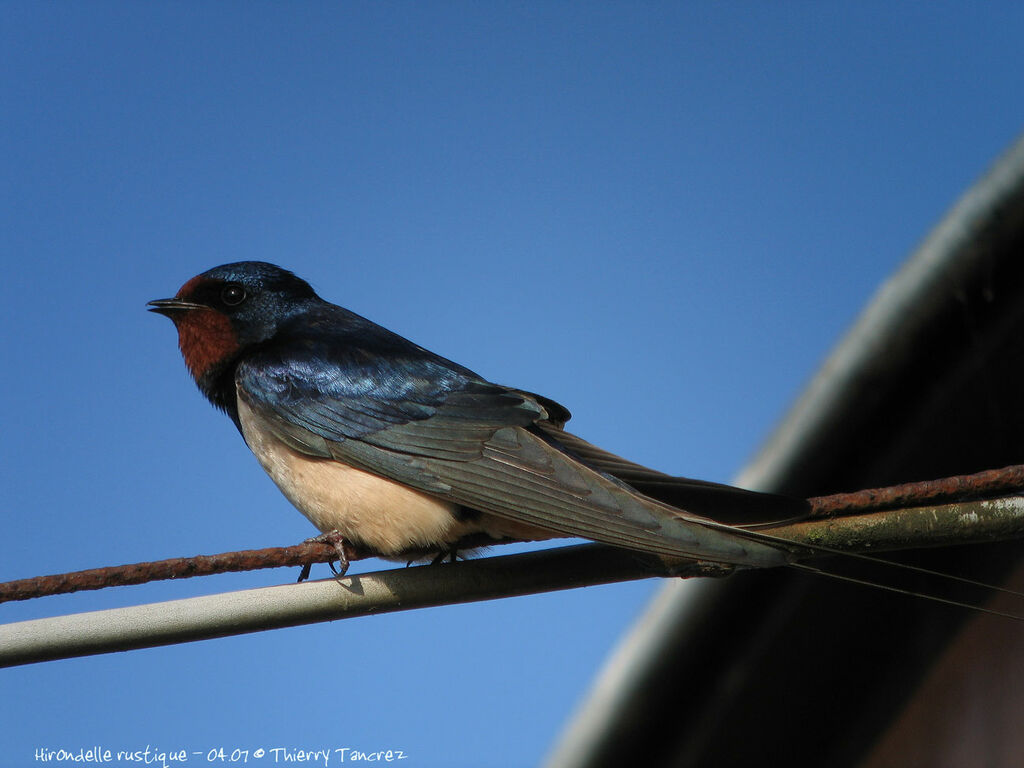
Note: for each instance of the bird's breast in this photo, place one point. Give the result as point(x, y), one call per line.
point(381, 514)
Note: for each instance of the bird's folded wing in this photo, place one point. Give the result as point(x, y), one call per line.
point(724, 503)
point(477, 448)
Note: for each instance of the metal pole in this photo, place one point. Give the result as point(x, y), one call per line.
point(252, 610)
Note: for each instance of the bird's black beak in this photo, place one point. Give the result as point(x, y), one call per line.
point(172, 307)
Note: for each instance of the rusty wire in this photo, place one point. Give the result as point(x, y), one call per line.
point(173, 568)
point(982, 485)
point(991, 482)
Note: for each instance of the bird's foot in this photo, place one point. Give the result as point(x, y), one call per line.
point(448, 554)
point(451, 556)
point(336, 540)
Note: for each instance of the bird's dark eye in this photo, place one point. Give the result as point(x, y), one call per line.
point(232, 294)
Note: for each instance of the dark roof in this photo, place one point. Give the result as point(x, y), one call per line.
point(772, 666)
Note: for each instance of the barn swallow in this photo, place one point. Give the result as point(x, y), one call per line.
point(405, 454)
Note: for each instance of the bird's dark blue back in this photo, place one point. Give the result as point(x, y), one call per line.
point(342, 375)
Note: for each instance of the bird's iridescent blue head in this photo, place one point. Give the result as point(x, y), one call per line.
point(229, 308)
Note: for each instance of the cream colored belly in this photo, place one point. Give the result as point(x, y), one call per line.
point(381, 514)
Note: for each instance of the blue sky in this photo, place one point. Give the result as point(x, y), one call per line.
point(661, 215)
